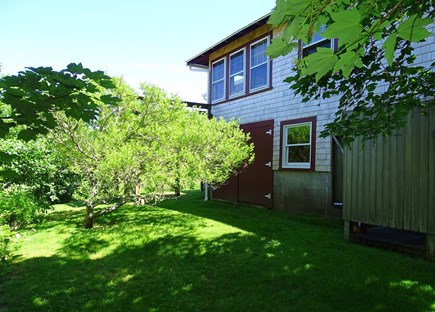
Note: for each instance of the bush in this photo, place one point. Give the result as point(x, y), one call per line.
point(38, 166)
point(19, 207)
point(6, 236)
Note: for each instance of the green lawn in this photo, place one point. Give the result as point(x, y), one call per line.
point(191, 255)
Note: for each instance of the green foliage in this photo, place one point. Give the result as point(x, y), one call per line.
point(36, 165)
point(152, 141)
point(207, 150)
point(34, 94)
point(6, 236)
point(363, 110)
point(373, 68)
point(18, 207)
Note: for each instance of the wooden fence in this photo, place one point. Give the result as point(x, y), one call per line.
point(391, 181)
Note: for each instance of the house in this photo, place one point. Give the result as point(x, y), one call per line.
point(245, 84)
point(295, 169)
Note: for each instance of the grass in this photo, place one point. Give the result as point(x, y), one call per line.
point(191, 255)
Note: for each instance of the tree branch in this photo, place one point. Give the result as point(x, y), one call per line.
point(382, 20)
point(115, 206)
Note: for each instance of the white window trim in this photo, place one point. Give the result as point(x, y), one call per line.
point(296, 165)
point(243, 92)
point(223, 79)
point(252, 67)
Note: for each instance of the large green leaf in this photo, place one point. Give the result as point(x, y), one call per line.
point(319, 63)
point(413, 29)
point(347, 61)
point(286, 9)
point(280, 46)
point(297, 7)
point(346, 26)
point(390, 48)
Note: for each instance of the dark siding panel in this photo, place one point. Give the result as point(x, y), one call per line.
point(354, 184)
point(379, 167)
point(392, 196)
point(415, 175)
point(347, 187)
point(370, 150)
point(423, 170)
point(431, 173)
point(360, 196)
point(390, 182)
point(407, 196)
point(400, 179)
point(384, 209)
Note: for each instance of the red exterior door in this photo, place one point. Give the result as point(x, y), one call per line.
point(255, 184)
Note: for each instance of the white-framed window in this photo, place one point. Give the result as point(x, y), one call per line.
point(237, 73)
point(317, 42)
point(298, 143)
point(241, 72)
point(259, 65)
point(218, 80)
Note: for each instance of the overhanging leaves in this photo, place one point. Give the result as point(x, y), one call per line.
point(319, 63)
point(372, 71)
point(280, 47)
point(347, 61)
point(285, 9)
point(346, 26)
point(390, 48)
point(34, 94)
point(413, 29)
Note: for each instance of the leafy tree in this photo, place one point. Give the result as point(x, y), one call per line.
point(28, 104)
point(151, 140)
point(208, 150)
point(372, 70)
point(32, 96)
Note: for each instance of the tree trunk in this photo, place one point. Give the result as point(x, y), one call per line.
point(138, 195)
point(89, 218)
point(177, 188)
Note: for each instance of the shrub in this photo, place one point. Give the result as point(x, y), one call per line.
point(38, 166)
point(19, 207)
point(6, 236)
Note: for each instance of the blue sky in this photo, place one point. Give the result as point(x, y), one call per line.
point(141, 40)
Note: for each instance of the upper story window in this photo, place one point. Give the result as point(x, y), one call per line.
point(259, 65)
point(298, 143)
point(237, 73)
point(317, 42)
point(218, 81)
point(241, 72)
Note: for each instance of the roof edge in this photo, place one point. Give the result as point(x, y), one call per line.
point(201, 60)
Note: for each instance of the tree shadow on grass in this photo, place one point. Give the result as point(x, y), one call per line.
point(233, 273)
point(214, 259)
point(175, 269)
point(250, 218)
point(71, 218)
